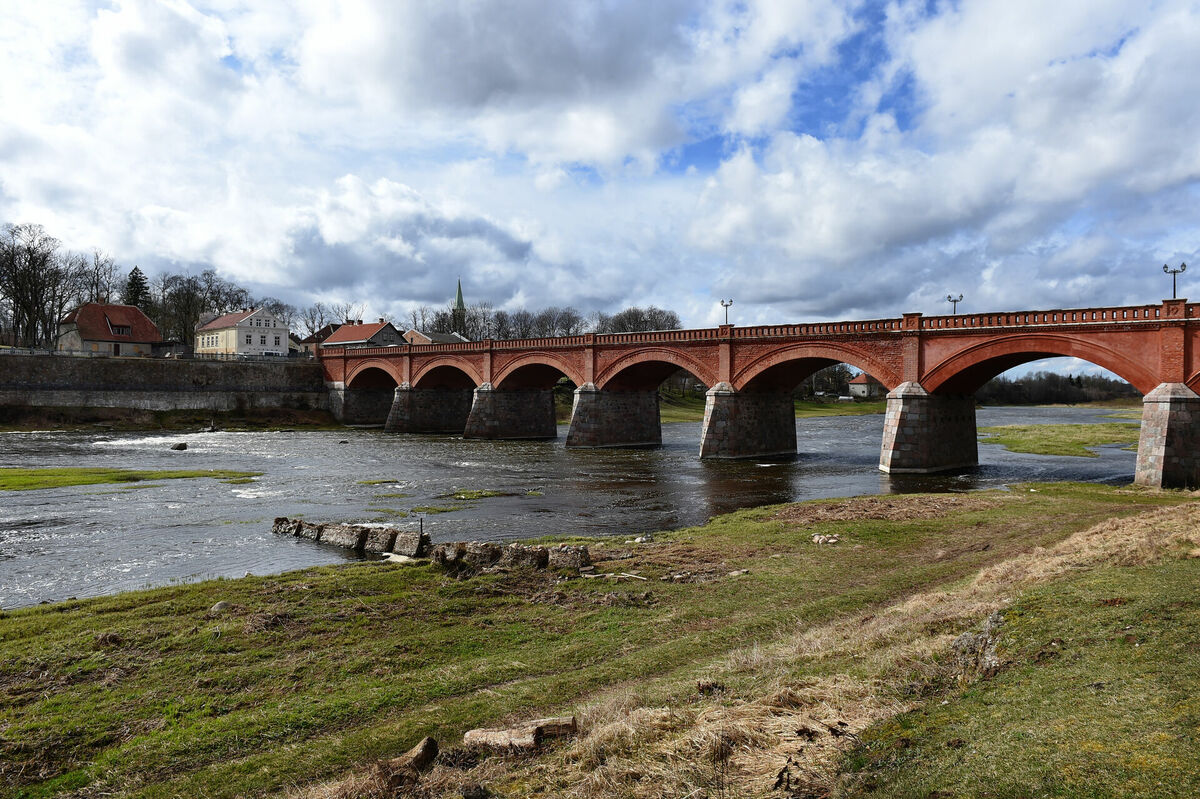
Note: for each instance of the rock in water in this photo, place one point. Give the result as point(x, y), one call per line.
point(179, 447)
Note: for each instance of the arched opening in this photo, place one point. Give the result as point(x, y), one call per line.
point(933, 427)
point(368, 395)
point(634, 396)
point(527, 400)
point(444, 376)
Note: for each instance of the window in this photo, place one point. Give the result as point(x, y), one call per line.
point(262, 340)
point(249, 339)
point(277, 341)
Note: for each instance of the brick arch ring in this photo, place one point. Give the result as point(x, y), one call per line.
point(703, 373)
point(461, 364)
point(1043, 345)
point(851, 355)
point(537, 359)
point(374, 363)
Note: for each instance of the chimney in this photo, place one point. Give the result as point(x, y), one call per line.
point(382, 321)
point(359, 322)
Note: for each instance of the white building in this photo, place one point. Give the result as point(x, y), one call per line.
point(254, 331)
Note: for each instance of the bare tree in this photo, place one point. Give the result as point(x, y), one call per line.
point(346, 311)
point(313, 318)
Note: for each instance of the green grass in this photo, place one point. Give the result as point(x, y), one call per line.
point(32, 479)
point(472, 494)
point(429, 509)
point(392, 496)
point(1098, 699)
point(1060, 439)
point(386, 481)
point(690, 408)
point(393, 512)
point(317, 672)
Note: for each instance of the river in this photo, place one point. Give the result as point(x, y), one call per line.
point(94, 540)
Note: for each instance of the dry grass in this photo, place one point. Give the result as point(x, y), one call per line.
point(785, 734)
point(890, 508)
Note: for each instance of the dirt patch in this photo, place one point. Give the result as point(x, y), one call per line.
point(889, 508)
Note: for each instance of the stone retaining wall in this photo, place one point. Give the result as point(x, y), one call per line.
point(159, 384)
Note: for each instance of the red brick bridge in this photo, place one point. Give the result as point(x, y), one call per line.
point(931, 367)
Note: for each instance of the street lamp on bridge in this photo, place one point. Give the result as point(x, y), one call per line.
point(1173, 273)
point(954, 301)
point(725, 304)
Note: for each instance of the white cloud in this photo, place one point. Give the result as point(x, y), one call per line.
point(1025, 154)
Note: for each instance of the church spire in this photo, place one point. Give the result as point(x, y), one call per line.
point(459, 316)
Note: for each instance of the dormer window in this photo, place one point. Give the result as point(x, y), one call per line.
point(120, 330)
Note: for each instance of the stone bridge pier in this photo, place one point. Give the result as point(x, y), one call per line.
point(601, 418)
point(522, 413)
point(360, 406)
point(1168, 453)
point(747, 424)
point(925, 432)
point(428, 410)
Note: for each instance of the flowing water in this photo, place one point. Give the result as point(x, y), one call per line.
point(92, 540)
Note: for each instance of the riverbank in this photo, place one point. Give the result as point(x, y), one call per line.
point(304, 680)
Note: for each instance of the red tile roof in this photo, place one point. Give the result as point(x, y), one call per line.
point(96, 322)
point(226, 320)
point(354, 334)
point(862, 378)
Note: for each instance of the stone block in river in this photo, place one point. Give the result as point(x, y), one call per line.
point(411, 543)
point(309, 531)
point(285, 526)
point(524, 556)
point(379, 539)
point(571, 558)
point(350, 536)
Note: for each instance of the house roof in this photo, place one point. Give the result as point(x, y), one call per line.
point(321, 335)
point(862, 378)
point(96, 322)
point(226, 320)
point(437, 338)
point(355, 334)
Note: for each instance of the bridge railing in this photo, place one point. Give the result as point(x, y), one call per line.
point(1075, 316)
point(818, 328)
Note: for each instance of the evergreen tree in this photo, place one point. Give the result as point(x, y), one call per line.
point(137, 290)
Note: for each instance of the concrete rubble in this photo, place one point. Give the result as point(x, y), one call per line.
point(455, 556)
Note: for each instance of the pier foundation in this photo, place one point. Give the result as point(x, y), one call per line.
point(614, 418)
point(1169, 446)
point(428, 410)
point(751, 424)
point(925, 432)
point(526, 413)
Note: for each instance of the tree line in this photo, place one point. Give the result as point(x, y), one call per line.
point(1044, 388)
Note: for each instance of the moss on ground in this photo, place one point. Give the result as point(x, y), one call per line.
point(33, 479)
point(311, 674)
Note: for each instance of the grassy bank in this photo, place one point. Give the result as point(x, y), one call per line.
point(314, 675)
point(33, 479)
point(19, 418)
point(1061, 439)
point(690, 408)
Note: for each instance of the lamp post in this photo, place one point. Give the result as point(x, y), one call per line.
point(954, 301)
point(1173, 273)
point(725, 304)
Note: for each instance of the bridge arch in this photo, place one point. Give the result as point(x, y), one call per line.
point(535, 370)
point(965, 371)
point(373, 373)
point(648, 367)
point(787, 367)
point(447, 372)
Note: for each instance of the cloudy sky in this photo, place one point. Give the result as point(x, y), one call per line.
point(810, 159)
